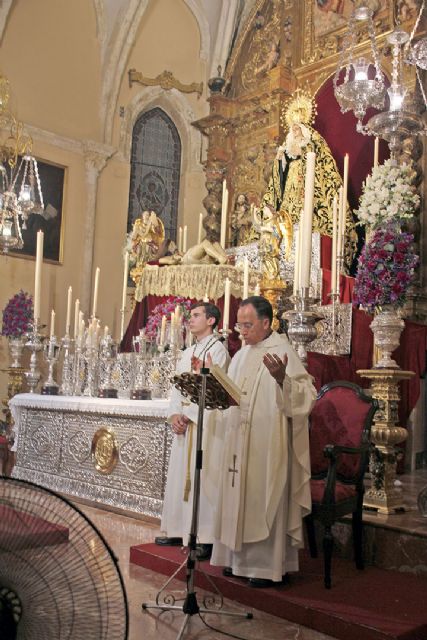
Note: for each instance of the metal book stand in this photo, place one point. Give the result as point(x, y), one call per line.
point(204, 390)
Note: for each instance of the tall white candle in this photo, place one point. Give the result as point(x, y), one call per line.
point(226, 317)
point(172, 328)
point(95, 292)
point(376, 150)
point(344, 202)
point(184, 242)
point(38, 274)
point(297, 263)
point(180, 239)
point(106, 331)
point(245, 278)
point(68, 317)
point(224, 208)
point(76, 318)
point(162, 331)
point(257, 291)
point(199, 233)
point(340, 208)
point(307, 220)
point(206, 297)
point(125, 280)
point(334, 246)
point(52, 323)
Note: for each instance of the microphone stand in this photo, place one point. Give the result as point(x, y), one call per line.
point(195, 387)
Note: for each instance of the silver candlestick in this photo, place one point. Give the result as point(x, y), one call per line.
point(34, 344)
point(66, 388)
point(301, 323)
point(107, 356)
point(51, 352)
point(332, 346)
point(91, 362)
point(225, 333)
point(78, 366)
point(141, 389)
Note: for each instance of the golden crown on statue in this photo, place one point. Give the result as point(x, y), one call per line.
point(299, 108)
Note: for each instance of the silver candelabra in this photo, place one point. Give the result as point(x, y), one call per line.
point(34, 344)
point(302, 322)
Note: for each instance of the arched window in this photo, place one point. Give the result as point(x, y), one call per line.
point(155, 169)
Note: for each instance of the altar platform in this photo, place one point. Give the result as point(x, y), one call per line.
point(386, 601)
point(112, 453)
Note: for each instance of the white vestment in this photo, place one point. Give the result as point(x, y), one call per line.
point(178, 500)
point(265, 491)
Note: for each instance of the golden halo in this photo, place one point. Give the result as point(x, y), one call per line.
point(300, 108)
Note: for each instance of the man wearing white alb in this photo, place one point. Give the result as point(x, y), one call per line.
point(264, 490)
point(177, 505)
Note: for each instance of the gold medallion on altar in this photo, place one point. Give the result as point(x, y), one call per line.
point(104, 449)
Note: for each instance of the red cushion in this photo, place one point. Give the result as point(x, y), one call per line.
point(342, 491)
point(338, 418)
point(3, 441)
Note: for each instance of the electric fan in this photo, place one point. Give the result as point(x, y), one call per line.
point(58, 577)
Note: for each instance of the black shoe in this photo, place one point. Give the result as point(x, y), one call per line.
point(227, 572)
point(164, 541)
point(262, 583)
point(203, 551)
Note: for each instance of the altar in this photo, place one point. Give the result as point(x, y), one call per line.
point(113, 453)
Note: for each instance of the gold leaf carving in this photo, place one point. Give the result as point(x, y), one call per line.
point(166, 80)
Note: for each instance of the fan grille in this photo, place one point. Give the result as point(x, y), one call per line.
point(59, 565)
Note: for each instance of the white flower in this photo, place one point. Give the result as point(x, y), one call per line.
point(388, 194)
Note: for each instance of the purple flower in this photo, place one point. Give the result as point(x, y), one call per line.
point(17, 315)
point(386, 268)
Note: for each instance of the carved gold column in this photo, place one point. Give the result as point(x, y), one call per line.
point(274, 291)
point(385, 434)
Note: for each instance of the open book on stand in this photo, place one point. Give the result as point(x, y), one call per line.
point(233, 392)
point(221, 391)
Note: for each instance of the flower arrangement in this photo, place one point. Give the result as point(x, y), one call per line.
point(18, 315)
point(164, 309)
point(386, 267)
point(388, 195)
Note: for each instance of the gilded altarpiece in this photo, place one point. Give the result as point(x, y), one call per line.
point(284, 44)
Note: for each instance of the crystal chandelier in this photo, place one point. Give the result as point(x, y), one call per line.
point(359, 82)
point(417, 54)
point(20, 190)
point(401, 120)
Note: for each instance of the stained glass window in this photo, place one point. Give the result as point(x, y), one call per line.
point(155, 169)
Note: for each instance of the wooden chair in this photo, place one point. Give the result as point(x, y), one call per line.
point(4, 454)
point(340, 426)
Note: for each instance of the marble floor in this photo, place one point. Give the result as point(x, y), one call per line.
point(142, 585)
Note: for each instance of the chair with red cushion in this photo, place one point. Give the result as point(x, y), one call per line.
point(340, 426)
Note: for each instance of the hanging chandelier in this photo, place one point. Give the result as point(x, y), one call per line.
point(359, 82)
point(416, 54)
point(401, 120)
point(20, 189)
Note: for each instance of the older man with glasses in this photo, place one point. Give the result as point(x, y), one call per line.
point(264, 488)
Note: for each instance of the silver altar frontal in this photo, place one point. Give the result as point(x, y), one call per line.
point(114, 453)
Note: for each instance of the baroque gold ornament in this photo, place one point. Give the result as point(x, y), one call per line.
point(104, 450)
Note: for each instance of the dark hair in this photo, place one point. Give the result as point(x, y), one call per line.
point(211, 311)
point(261, 305)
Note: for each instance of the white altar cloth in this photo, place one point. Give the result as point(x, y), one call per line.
point(54, 442)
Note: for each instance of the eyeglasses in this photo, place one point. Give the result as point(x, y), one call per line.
point(244, 325)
